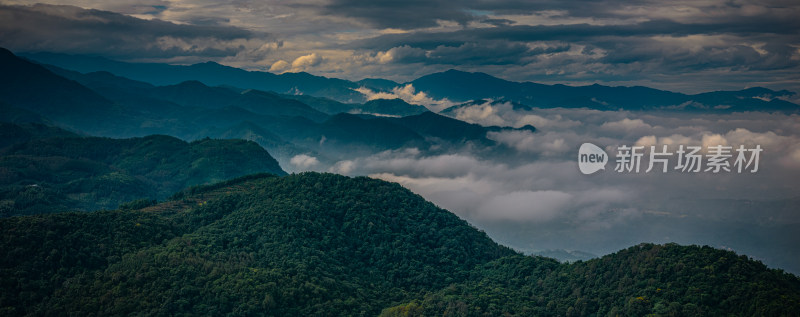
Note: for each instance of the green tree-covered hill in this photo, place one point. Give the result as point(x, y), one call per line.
point(46, 169)
point(644, 280)
point(300, 245)
point(327, 245)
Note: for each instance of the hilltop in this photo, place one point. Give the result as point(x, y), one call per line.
point(323, 244)
point(47, 169)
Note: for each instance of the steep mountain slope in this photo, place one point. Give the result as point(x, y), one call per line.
point(31, 93)
point(23, 83)
point(31, 87)
point(322, 244)
point(46, 169)
point(300, 245)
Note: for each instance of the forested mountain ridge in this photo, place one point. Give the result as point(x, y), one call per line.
point(643, 280)
point(299, 245)
point(322, 244)
point(105, 104)
point(45, 169)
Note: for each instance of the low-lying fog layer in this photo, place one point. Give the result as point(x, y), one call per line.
point(533, 197)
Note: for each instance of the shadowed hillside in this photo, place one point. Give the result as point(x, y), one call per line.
point(46, 169)
point(323, 244)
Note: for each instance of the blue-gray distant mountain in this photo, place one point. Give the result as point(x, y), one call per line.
point(286, 125)
point(29, 86)
point(378, 83)
point(323, 104)
point(452, 84)
point(380, 107)
point(209, 73)
point(192, 93)
point(478, 102)
point(438, 126)
point(390, 107)
point(464, 86)
point(289, 124)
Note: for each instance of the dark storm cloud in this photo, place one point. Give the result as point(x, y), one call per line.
point(491, 53)
point(720, 44)
point(681, 59)
point(410, 14)
point(422, 14)
point(577, 33)
point(628, 52)
point(750, 36)
point(75, 30)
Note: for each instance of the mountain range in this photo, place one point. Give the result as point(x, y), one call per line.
point(454, 85)
point(156, 189)
point(464, 86)
point(323, 244)
point(299, 114)
point(47, 169)
point(105, 104)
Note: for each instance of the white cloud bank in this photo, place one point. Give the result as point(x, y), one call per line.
point(534, 197)
point(300, 64)
point(304, 162)
point(408, 94)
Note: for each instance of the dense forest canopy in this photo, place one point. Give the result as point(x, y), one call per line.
point(46, 169)
point(322, 244)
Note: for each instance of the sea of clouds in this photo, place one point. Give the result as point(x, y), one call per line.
point(531, 196)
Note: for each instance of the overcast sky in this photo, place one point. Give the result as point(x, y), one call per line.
point(686, 46)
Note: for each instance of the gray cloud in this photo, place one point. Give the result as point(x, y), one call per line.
point(687, 46)
point(534, 198)
point(75, 30)
point(400, 14)
point(605, 36)
point(738, 16)
point(727, 53)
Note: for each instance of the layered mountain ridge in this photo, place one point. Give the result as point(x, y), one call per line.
point(323, 244)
